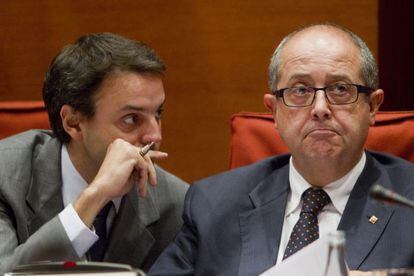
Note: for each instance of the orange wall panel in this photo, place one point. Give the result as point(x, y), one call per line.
point(217, 53)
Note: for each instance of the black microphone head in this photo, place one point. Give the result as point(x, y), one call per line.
point(382, 194)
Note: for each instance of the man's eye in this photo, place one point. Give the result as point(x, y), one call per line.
point(300, 90)
point(159, 113)
point(131, 119)
point(341, 88)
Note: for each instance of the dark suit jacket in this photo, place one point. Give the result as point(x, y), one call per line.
point(31, 199)
point(233, 221)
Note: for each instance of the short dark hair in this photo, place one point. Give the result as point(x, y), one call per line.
point(79, 69)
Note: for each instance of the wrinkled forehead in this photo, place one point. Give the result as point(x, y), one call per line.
point(320, 47)
point(320, 41)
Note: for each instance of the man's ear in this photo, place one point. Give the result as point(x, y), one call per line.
point(71, 121)
point(270, 103)
point(375, 100)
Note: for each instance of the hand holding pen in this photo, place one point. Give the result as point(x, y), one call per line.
point(124, 166)
point(146, 149)
point(147, 154)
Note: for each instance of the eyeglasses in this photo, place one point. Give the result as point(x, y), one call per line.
point(337, 94)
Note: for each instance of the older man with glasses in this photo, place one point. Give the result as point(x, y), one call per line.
point(324, 98)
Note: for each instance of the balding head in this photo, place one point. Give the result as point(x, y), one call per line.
point(338, 35)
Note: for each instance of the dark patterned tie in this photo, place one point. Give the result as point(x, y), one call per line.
point(306, 230)
point(97, 251)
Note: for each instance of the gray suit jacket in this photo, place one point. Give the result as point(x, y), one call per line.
point(233, 221)
point(31, 199)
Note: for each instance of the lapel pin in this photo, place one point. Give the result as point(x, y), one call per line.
point(373, 219)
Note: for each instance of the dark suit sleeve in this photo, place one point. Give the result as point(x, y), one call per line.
point(180, 256)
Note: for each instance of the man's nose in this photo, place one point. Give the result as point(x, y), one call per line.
point(321, 108)
point(152, 132)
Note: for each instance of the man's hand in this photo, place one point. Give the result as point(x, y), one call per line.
point(122, 168)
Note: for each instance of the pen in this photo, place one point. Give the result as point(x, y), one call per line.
point(144, 150)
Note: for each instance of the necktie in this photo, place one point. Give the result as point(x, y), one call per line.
point(306, 230)
point(97, 251)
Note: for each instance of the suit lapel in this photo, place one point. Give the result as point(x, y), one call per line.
point(44, 196)
point(129, 238)
point(361, 234)
point(261, 227)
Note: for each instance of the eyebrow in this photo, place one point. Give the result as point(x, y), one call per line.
point(329, 78)
point(299, 76)
point(132, 107)
point(138, 108)
point(334, 77)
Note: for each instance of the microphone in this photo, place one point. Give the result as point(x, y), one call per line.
point(385, 195)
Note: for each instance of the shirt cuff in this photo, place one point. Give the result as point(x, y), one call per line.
point(81, 237)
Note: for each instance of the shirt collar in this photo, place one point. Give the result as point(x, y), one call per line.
point(338, 190)
point(73, 183)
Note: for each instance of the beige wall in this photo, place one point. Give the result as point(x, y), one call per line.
point(217, 55)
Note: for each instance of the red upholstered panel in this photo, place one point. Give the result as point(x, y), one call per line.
point(18, 116)
point(255, 137)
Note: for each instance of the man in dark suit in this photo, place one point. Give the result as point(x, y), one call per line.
point(324, 97)
point(73, 194)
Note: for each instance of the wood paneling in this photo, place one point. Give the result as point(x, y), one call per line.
point(217, 54)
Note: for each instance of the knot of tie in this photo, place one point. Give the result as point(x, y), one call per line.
point(314, 200)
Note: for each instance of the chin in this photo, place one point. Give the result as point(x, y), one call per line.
point(323, 151)
point(323, 145)
point(323, 155)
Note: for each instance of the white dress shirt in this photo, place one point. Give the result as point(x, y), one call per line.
point(73, 184)
point(330, 215)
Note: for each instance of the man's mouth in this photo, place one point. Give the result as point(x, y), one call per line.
point(321, 133)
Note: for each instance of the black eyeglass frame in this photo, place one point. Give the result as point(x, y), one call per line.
point(360, 89)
